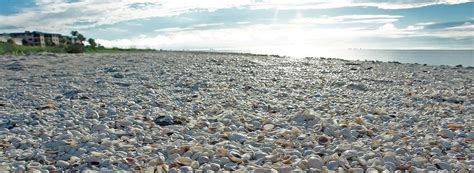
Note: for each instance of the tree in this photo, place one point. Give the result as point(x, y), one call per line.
point(74, 33)
point(81, 38)
point(78, 36)
point(92, 43)
point(10, 41)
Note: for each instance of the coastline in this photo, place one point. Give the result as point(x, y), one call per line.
point(232, 111)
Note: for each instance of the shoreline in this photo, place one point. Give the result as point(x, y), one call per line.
point(194, 111)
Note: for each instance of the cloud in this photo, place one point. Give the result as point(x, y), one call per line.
point(284, 35)
point(323, 4)
point(348, 19)
point(404, 4)
point(66, 14)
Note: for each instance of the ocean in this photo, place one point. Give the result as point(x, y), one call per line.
point(431, 57)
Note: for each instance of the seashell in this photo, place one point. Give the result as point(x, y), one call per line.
point(235, 157)
point(323, 140)
point(405, 167)
point(34, 165)
point(51, 151)
point(454, 126)
point(286, 159)
point(333, 157)
point(185, 148)
point(268, 127)
point(359, 120)
point(131, 161)
point(343, 123)
point(70, 142)
point(295, 130)
point(98, 154)
point(221, 151)
point(184, 161)
point(468, 140)
point(303, 164)
point(4, 144)
point(46, 106)
point(284, 143)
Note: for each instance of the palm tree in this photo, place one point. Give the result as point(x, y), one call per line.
point(78, 36)
point(81, 38)
point(74, 33)
point(92, 43)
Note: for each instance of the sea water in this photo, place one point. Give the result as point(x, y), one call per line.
point(431, 57)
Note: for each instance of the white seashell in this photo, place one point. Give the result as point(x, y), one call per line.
point(268, 127)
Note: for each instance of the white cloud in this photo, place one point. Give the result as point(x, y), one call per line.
point(465, 26)
point(61, 15)
point(293, 35)
point(349, 19)
point(403, 4)
point(322, 4)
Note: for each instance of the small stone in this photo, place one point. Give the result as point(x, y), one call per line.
point(443, 166)
point(419, 161)
point(215, 166)
point(349, 153)
point(346, 133)
point(62, 164)
point(315, 162)
point(436, 151)
point(238, 137)
point(356, 170)
point(91, 114)
point(186, 169)
point(314, 170)
point(446, 133)
point(391, 159)
point(417, 170)
point(173, 170)
point(262, 170)
point(333, 165)
point(268, 127)
point(390, 166)
point(118, 75)
point(357, 86)
point(203, 159)
point(285, 169)
point(168, 120)
point(230, 166)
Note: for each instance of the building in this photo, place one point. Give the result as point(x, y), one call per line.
point(6, 37)
point(36, 38)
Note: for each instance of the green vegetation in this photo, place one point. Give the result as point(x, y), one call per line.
point(11, 48)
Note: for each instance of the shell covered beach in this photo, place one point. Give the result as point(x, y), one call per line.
point(215, 112)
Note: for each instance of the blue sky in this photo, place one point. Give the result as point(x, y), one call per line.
point(251, 24)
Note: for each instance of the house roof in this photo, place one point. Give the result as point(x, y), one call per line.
point(33, 32)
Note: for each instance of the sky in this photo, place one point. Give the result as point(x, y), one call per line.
point(295, 25)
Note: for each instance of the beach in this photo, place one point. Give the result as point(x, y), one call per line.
point(198, 111)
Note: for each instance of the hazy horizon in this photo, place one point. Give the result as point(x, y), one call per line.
point(254, 25)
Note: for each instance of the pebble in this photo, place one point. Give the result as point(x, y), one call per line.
point(356, 170)
point(447, 133)
point(186, 169)
point(62, 164)
point(238, 137)
point(333, 165)
point(263, 170)
point(443, 166)
point(167, 120)
point(315, 162)
point(196, 112)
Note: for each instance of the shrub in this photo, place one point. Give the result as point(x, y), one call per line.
point(7, 48)
point(75, 48)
